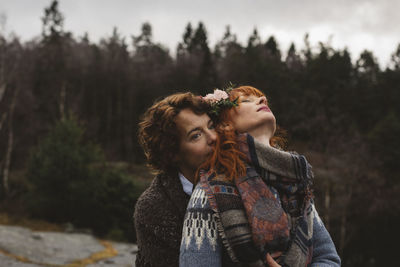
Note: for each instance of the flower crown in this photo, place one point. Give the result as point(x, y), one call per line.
point(219, 100)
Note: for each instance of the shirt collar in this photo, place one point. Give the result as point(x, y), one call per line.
point(186, 184)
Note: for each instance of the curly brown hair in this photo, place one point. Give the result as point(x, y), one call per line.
point(158, 134)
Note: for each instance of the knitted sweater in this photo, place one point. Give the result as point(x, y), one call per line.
point(201, 245)
point(158, 218)
point(206, 227)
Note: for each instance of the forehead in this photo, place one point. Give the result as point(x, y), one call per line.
point(248, 96)
point(247, 91)
point(187, 120)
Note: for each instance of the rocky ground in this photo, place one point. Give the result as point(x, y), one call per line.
point(25, 248)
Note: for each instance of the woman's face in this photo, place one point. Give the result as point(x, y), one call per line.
point(197, 138)
point(252, 114)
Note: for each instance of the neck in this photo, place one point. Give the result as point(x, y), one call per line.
point(263, 139)
point(262, 135)
point(189, 175)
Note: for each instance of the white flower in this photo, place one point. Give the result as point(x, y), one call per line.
point(216, 96)
point(219, 94)
point(210, 98)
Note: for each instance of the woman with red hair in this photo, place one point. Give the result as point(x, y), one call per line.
point(252, 205)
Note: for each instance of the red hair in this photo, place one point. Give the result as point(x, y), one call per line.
point(227, 158)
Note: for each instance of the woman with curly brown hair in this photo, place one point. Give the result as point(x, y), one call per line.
point(253, 204)
point(177, 136)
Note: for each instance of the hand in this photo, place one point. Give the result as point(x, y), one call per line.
point(271, 262)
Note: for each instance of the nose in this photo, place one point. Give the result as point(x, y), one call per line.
point(211, 136)
point(262, 100)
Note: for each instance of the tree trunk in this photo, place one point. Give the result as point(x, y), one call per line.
point(109, 117)
point(2, 89)
point(2, 120)
point(327, 205)
point(10, 143)
point(343, 222)
point(129, 132)
point(63, 94)
point(342, 231)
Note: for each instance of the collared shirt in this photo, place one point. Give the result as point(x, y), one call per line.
point(186, 184)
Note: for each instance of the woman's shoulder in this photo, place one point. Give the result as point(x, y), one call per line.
point(154, 203)
point(151, 193)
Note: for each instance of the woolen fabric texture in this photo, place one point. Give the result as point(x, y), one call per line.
point(158, 218)
point(216, 215)
point(278, 199)
point(202, 245)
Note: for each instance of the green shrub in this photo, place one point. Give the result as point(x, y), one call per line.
point(72, 183)
point(115, 199)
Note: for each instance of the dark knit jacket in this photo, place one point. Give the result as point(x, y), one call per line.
point(158, 218)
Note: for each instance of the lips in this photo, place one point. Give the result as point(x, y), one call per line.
point(264, 108)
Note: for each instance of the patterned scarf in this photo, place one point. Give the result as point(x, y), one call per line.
point(251, 219)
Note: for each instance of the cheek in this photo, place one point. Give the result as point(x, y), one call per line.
point(195, 149)
point(242, 122)
point(238, 118)
point(196, 154)
point(200, 149)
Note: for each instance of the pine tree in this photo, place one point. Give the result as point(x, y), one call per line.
point(293, 60)
point(272, 47)
point(395, 59)
point(53, 23)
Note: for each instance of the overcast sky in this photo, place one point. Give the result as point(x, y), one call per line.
point(356, 24)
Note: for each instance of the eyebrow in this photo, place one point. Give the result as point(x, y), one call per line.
point(254, 96)
point(193, 130)
point(246, 95)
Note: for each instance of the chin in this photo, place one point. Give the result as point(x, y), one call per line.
point(270, 119)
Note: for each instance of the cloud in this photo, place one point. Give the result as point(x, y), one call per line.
point(358, 23)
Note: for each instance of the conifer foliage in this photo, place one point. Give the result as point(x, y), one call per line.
point(341, 110)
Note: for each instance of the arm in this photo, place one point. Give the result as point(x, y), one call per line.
point(157, 233)
point(201, 245)
point(324, 251)
point(154, 246)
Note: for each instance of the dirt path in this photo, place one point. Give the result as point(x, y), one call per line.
point(22, 247)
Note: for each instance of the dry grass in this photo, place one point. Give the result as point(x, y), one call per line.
point(108, 252)
point(33, 224)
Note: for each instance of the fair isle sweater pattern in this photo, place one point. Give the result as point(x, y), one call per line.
point(199, 226)
point(202, 245)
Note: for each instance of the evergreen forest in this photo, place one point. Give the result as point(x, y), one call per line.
point(70, 107)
